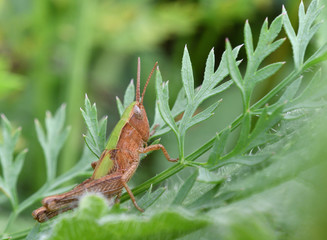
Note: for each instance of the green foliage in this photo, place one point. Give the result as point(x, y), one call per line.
point(11, 166)
point(128, 98)
point(96, 137)
point(150, 197)
point(92, 217)
point(51, 141)
point(185, 189)
point(194, 97)
point(307, 28)
point(265, 46)
point(243, 190)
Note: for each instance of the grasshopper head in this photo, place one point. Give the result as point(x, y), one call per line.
point(139, 120)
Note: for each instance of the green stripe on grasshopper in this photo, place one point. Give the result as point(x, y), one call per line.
point(106, 163)
point(115, 134)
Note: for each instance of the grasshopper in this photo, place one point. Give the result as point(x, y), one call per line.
point(117, 163)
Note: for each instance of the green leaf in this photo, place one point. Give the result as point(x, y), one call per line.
point(248, 41)
point(309, 100)
point(185, 189)
point(163, 102)
point(243, 139)
point(179, 106)
point(262, 140)
point(187, 76)
point(129, 94)
point(222, 70)
point(210, 177)
point(158, 122)
point(209, 69)
point(92, 220)
point(34, 233)
point(264, 31)
point(54, 140)
point(233, 69)
point(275, 28)
point(267, 71)
point(247, 160)
point(266, 122)
point(150, 197)
point(290, 91)
point(272, 47)
point(204, 200)
point(11, 166)
point(301, 12)
point(319, 56)
point(286, 98)
point(265, 44)
point(16, 168)
point(96, 137)
point(288, 27)
point(129, 97)
point(218, 146)
point(204, 115)
point(120, 106)
point(205, 91)
point(305, 31)
point(10, 138)
point(160, 132)
point(312, 89)
point(180, 103)
point(3, 188)
point(219, 89)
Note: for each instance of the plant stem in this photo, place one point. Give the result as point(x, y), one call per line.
point(181, 141)
point(276, 89)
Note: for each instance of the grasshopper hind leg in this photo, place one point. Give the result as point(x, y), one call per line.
point(125, 178)
point(128, 190)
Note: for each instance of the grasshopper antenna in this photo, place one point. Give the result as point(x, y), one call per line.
point(147, 81)
point(138, 79)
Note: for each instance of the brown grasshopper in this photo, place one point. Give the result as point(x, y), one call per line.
point(117, 163)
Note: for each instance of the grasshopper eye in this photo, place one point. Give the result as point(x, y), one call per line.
point(138, 112)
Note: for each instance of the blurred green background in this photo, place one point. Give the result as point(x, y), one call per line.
point(53, 52)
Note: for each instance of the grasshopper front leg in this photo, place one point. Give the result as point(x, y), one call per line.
point(158, 147)
point(129, 173)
